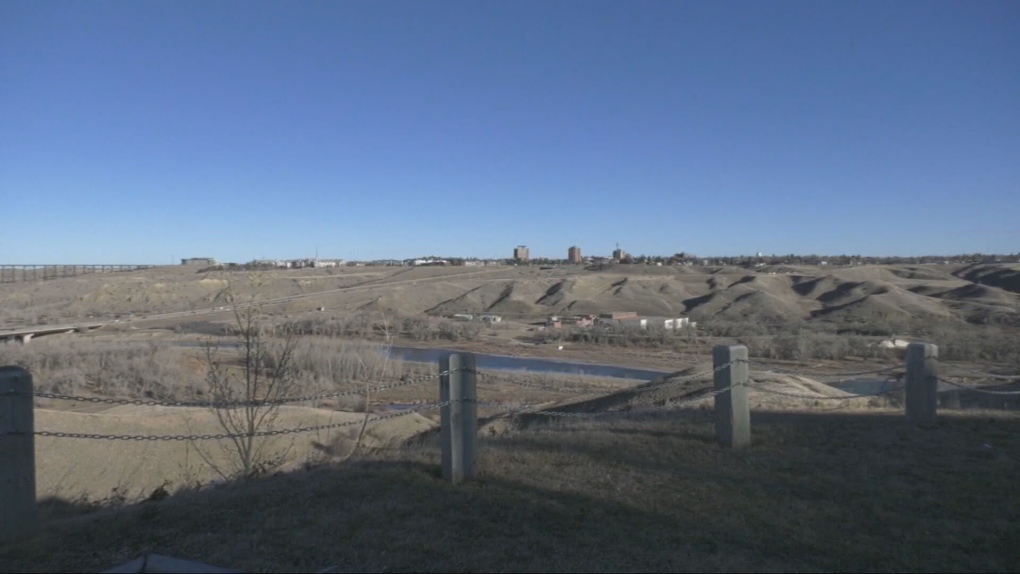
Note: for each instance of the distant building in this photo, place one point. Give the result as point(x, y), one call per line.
point(580, 320)
point(199, 261)
point(620, 254)
point(574, 255)
point(521, 253)
point(618, 315)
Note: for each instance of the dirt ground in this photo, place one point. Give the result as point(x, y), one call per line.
point(77, 469)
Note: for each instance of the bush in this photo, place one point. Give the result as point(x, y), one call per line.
point(134, 370)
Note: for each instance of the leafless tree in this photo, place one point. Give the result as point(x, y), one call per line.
point(244, 390)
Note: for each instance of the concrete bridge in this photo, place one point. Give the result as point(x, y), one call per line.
point(14, 273)
point(26, 334)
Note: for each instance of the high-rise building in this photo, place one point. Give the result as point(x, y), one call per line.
point(574, 255)
point(521, 253)
point(620, 254)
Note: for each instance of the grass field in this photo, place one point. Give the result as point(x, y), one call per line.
point(860, 491)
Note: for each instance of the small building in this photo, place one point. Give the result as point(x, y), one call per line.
point(578, 320)
point(463, 317)
point(199, 261)
point(618, 315)
point(633, 322)
point(669, 323)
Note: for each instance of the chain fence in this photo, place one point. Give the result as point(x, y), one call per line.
point(964, 372)
point(668, 382)
point(233, 404)
point(537, 409)
point(263, 433)
point(544, 409)
point(757, 386)
point(781, 371)
point(963, 386)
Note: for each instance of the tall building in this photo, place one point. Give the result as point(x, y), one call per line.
point(521, 253)
point(574, 255)
point(620, 254)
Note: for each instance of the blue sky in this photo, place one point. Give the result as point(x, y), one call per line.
point(141, 132)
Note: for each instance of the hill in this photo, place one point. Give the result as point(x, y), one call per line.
point(850, 295)
point(816, 492)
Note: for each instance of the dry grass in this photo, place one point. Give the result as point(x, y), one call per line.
point(815, 492)
point(158, 370)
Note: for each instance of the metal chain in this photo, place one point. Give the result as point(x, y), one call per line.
point(195, 437)
point(537, 386)
point(965, 372)
point(229, 404)
point(976, 389)
point(537, 410)
point(672, 381)
point(676, 381)
point(820, 398)
point(841, 374)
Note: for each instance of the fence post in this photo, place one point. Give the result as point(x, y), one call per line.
point(18, 513)
point(922, 382)
point(459, 419)
point(732, 409)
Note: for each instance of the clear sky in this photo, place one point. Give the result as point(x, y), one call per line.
point(141, 132)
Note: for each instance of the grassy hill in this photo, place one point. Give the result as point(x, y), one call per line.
point(851, 491)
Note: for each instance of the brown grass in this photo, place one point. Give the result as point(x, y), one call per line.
point(815, 492)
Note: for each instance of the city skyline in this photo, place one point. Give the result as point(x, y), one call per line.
point(609, 255)
point(259, 130)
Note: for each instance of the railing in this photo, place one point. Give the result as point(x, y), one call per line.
point(458, 405)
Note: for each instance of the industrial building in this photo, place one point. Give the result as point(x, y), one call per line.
point(574, 255)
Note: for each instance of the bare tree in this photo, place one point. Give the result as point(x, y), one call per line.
point(244, 391)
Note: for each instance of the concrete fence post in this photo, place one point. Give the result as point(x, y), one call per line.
point(922, 382)
point(732, 409)
point(459, 419)
point(18, 513)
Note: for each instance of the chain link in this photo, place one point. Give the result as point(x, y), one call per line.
point(966, 372)
point(266, 433)
point(229, 404)
point(976, 389)
point(537, 409)
point(821, 398)
point(669, 382)
point(840, 374)
point(540, 387)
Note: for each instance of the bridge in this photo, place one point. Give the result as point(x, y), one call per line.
point(24, 335)
point(14, 272)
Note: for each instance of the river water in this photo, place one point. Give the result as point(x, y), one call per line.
point(508, 363)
